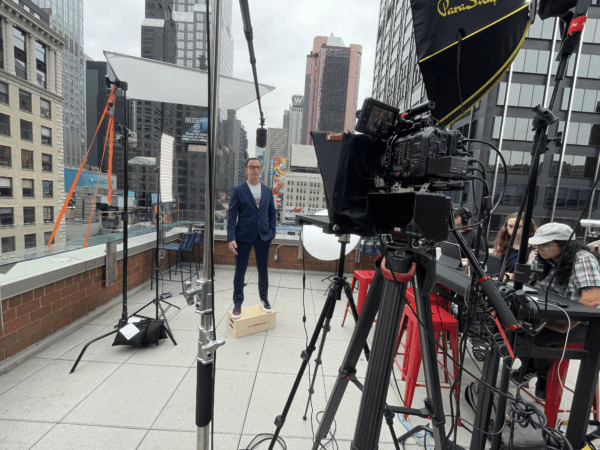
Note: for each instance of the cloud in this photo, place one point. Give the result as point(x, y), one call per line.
point(283, 36)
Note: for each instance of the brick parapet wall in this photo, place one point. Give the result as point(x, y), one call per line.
point(31, 316)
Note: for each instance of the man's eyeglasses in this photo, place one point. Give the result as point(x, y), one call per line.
point(256, 168)
point(544, 246)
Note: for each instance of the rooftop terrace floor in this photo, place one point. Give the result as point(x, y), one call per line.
point(129, 398)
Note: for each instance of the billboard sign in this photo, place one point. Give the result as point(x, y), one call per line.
point(89, 179)
point(197, 133)
point(278, 166)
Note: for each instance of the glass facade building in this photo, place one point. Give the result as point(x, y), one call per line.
point(67, 20)
point(331, 86)
point(504, 116)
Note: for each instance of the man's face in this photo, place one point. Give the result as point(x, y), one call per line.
point(458, 221)
point(253, 170)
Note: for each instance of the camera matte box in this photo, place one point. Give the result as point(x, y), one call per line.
point(253, 320)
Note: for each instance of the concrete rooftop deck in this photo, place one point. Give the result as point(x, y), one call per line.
point(128, 398)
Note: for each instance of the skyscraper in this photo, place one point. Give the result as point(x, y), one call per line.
point(174, 31)
point(331, 86)
point(504, 117)
point(67, 18)
point(295, 122)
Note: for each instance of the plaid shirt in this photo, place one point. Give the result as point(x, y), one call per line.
point(585, 274)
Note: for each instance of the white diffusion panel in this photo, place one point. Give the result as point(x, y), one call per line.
point(322, 246)
point(166, 168)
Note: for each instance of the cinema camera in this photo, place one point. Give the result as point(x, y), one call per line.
point(416, 150)
point(361, 171)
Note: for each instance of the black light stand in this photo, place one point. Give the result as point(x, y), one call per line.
point(160, 313)
point(125, 137)
point(544, 117)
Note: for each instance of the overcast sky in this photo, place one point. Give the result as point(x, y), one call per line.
point(283, 35)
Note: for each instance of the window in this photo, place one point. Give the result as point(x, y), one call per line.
point(26, 130)
point(48, 214)
point(27, 159)
point(47, 235)
point(27, 188)
point(30, 241)
point(5, 187)
point(4, 124)
point(29, 215)
point(5, 156)
point(20, 53)
point(40, 63)
point(7, 217)
point(3, 92)
point(8, 244)
point(47, 185)
point(24, 100)
point(45, 109)
point(1, 46)
point(46, 136)
point(46, 162)
point(575, 166)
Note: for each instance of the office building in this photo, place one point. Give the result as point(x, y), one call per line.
point(330, 87)
point(295, 122)
point(67, 19)
point(31, 127)
point(504, 117)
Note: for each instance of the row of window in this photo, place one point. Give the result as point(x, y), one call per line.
point(6, 188)
point(520, 129)
point(584, 100)
point(7, 215)
point(573, 166)
point(524, 95)
point(20, 56)
point(26, 130)
point(27, 159)
point(25, 101)
point(8, 243)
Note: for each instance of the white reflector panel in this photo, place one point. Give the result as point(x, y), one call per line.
point(162, 82)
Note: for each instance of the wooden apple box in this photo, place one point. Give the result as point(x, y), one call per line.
point(253, 320)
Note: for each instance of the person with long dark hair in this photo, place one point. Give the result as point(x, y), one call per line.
point(577, 278)
point(503, 239)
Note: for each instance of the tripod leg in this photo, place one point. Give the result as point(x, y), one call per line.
point(354, 311)
point(87, 345)
point(306, 354)
point(167, 327)
point(348, 368)
point(389, 420)
point(318, 360)
point(368, 426)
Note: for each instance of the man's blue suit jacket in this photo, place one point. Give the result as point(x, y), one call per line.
point(245, 221)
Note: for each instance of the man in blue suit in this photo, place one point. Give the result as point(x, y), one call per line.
point(251, 223)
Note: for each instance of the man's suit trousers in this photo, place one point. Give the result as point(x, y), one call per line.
point(261, 249)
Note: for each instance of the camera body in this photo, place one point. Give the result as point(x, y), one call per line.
point(416, 150)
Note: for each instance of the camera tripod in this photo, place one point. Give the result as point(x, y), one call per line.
point(387, 296)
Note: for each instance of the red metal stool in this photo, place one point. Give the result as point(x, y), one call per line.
point(364, 278)
point(443, 322)
point(406, 325)
point(554, 390)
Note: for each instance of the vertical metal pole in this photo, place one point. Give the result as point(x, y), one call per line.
point(123, 86)
point(206, 342)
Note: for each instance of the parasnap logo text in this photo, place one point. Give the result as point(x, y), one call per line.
point(445, 9)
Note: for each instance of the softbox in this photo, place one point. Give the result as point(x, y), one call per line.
point(464, 48)
point(348, 165)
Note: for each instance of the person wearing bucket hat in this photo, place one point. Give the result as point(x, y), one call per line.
point(577, 279)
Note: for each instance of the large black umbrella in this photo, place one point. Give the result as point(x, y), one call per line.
point(464, 48)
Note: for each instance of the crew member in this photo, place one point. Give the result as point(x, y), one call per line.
point(503, 239)
point(251, 223)
point(462, 217)
point(577, 279)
